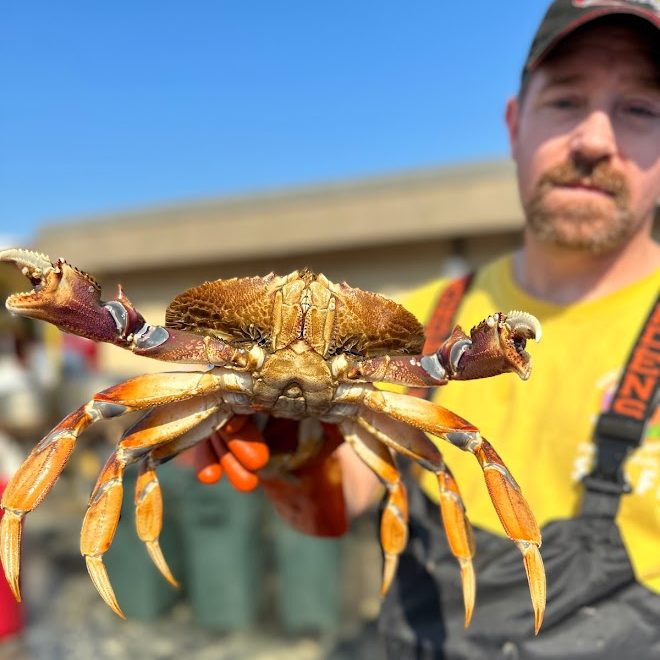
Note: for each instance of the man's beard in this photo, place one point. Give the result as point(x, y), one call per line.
point(589, 225)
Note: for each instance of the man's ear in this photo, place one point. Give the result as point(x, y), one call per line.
point(512, 118)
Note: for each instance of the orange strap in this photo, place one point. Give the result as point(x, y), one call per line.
point(621, 428)
point(441, 323)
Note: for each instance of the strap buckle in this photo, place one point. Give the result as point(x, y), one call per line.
point(615, 436)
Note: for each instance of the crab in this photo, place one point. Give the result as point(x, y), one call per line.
point(297, 349)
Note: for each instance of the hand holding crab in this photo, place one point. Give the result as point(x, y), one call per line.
point(297, 347)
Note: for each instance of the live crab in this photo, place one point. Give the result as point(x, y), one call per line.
point(298, 347)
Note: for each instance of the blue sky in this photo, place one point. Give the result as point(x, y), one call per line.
point(112, 106)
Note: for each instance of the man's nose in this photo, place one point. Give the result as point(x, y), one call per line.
point(593, 138)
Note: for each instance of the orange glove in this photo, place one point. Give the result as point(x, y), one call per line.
point(237, 450)
point(312, 502)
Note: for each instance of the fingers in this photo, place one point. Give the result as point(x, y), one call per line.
point(237, 450)
point(240, 477)
point(246, 443)
point(206, 463)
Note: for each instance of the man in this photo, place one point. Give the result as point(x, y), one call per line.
point(585, 136)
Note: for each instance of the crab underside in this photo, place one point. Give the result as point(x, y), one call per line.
point(297, 347)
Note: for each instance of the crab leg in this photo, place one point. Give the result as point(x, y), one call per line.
point(459, 535)
point(458, 530)
point(512, 509)
point(70, 299)
point(394, 521)
point(41, 469)
point(155, 428)
point(148, 497)
point(37, 475)
point(149, 515)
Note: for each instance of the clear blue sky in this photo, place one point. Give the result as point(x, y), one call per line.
point(116, 105)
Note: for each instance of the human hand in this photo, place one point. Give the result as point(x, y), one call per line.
point(238, 450)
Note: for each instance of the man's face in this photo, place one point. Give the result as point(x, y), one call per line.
point(586, 140)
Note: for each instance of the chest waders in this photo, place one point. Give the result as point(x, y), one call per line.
point(596, 609)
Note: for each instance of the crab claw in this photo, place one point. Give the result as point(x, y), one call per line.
point(62, 295)
point(495, 346)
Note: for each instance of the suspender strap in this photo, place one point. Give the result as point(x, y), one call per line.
point(441, 323)
point(620, 429)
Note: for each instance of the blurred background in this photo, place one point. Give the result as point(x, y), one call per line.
point(162, 144)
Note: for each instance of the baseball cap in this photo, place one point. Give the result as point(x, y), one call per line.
point(565, 16)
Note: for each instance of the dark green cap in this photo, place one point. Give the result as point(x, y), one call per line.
point(565, 16)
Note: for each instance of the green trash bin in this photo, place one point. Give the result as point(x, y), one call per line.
point(220, 537)
point(142, 592)
point(309, 580)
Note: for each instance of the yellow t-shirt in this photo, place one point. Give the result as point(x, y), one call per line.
point(542, 428)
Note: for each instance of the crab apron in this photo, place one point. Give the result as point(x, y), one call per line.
point(596, 608)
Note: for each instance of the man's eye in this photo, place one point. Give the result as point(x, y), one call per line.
point(564, 103)
point(641, 111)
